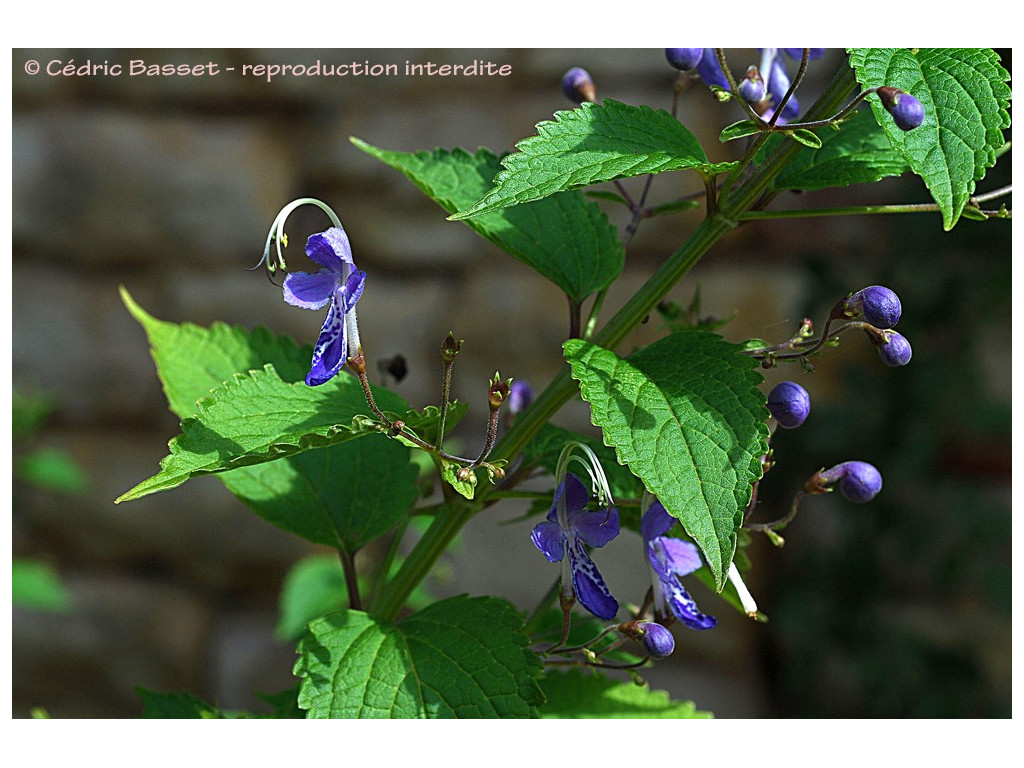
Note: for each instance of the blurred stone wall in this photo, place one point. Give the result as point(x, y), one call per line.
point(167, 186)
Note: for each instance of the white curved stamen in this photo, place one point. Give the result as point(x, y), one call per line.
point(746, 599)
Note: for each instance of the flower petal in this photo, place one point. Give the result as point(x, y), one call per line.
point(310, 291)
point(596, 528)
point(329, 354)
point(330, 249)
point(590, 588)
point(656, 521)
point(576, 497)
point(547, 537)
point(353, 289)
point(682, 557)
point(684, 607)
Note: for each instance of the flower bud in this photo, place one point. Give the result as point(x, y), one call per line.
point(450, 347)
point(498, 392)
point(907, 112)
point(520, 397)
point(790, 404)
point(858, 481)
point(877, 304)
point(751, 87)
point(894, 349)
point(578, 85)
point(684, 59)
point(658, 641)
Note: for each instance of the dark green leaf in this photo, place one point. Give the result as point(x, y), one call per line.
point(966, 102)
point(564, 237)
point(314, 586)
point(589, 145)
point(858, 153)
point(461, 657)
point(177, 706)
point(575, 694)
point(687, 417)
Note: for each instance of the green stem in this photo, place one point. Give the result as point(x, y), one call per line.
point(853, 210)
point(753, 190)
point(348, 565)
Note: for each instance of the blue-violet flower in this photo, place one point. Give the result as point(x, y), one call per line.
point(789, 403)
point(564, 537)
point(340, 284)
point(669, 558)
point(578, 85)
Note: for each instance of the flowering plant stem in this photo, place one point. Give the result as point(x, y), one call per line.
point(754, 190)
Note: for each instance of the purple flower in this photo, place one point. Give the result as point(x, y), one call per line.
point(569, 528)
point(778, 85)
point(338, 283)
point(670, 557)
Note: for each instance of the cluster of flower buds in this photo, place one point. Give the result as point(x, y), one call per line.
point(880, 308)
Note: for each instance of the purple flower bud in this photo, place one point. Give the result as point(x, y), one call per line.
point(877, 304)
point(789, 403)
point(684, 59)
point(907, 112)
point(657, 640)
point(894, 349)
point(752, 86)
point(858, 481)
point(521, 397)
point(710, 71)
point(578, 85)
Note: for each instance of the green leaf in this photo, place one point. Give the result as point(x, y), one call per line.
point(314, 586)
point(574, 694)
point(858, 153)
point(53, 470)
point(461, 657)
point(966, 101)
point(687, 417)
point(564, 237)
point(177, 706)
point(309, 494)
point(35, 584)
point(738, 130)
point(235, 426)
point(589, 145)
point(805, 137)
